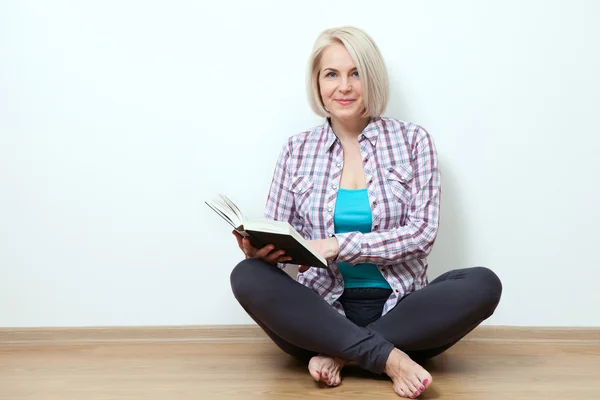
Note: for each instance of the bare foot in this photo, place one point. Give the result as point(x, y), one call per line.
point(326, 369)
point(410, 379)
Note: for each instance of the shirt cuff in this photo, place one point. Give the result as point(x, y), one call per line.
point(350, 247)
point(281, 265)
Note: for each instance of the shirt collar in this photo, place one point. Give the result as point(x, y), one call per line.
point(370, 132)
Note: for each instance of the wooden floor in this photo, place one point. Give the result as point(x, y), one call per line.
point(470, 370)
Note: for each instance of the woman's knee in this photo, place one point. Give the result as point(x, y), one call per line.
point(489, 286)
point(246, 279)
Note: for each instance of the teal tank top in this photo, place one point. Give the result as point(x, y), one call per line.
point(353, 213)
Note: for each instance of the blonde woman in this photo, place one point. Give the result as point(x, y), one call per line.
point(364, 189)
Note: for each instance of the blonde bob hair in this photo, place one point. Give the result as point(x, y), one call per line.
point(369, 63)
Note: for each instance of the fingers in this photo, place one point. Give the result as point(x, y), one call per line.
point(239, 238)
point(264, 252)
point(274, 256)
point(267, 253)
point(248, 249)
point(277, 256)
point(303, 268)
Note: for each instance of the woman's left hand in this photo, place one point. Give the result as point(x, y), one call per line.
point(327, 248)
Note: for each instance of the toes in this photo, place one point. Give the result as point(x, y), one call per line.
point(325, 375)
point(333, 375)
point(336, 379)
point(323, 369)
point(332, 379)
point(315, 374)
point(414, 392)
point(314, 368)
point(417, 384)
point(402, 390)
point(424, 378)
point(334, 372)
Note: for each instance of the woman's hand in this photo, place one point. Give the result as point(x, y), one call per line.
point(267, 253)
point(327, 248)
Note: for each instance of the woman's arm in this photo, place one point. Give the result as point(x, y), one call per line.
point(413, 240)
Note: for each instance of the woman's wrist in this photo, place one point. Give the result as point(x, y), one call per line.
point(333, 249)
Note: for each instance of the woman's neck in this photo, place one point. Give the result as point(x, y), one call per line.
point(348, 129)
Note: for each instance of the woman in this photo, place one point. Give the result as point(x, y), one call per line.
point(365, 189)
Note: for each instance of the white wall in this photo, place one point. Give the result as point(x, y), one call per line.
point(119, 118)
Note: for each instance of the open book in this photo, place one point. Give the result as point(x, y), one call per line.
point(263, 232)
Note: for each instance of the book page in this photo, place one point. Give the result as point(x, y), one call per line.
point(224, 207)
point(234, 208)
point(221, 214)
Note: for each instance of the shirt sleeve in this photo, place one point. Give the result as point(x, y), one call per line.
point(413, 240)
point(280, 199)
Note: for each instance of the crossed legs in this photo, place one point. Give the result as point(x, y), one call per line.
point(422, 325)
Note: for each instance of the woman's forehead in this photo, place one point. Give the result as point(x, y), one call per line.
point(337, 57)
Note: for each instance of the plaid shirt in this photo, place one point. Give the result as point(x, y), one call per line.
point(403, 183)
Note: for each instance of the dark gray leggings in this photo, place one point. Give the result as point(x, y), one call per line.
point(423, 324)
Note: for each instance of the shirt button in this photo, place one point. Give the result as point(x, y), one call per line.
point(334, 186)
point(375, 227)
point(339, 164)
point(329, 209)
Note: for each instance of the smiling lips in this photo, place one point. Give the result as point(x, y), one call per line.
point(345, 102)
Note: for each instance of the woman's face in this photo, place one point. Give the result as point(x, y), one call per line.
point(339, 82)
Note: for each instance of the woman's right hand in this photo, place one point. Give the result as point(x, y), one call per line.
point(267, 253)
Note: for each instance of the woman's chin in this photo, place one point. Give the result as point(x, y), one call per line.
point(347, 115)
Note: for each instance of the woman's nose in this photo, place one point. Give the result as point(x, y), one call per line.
point(344, 86)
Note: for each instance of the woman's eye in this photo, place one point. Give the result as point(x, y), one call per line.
point(333, 74)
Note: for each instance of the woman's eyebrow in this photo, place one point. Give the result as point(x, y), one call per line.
point(335, 70)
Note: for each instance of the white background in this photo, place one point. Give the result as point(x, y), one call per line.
point(119, 118)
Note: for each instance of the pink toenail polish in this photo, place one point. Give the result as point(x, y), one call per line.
point(425, 382)
point(422, 388)
point(416, 393)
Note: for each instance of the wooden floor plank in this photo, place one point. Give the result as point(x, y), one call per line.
point(470, 370)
